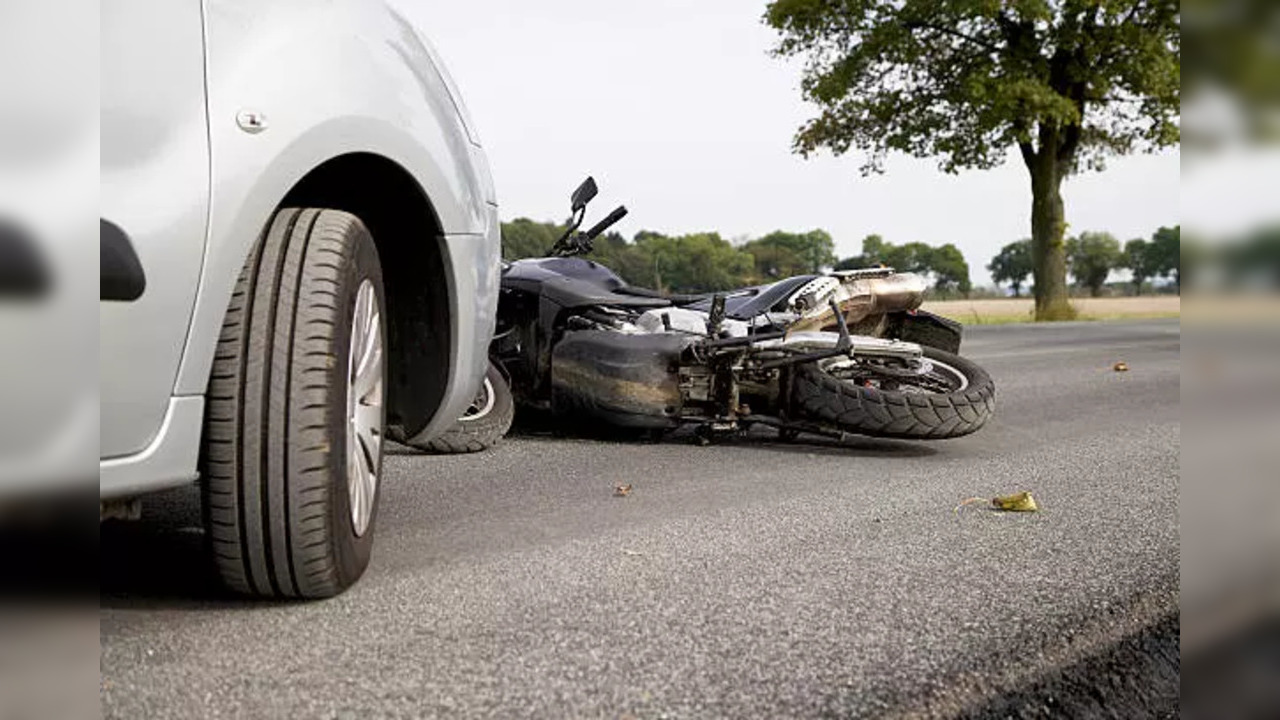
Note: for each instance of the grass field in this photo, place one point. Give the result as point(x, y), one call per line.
point(1013, 310)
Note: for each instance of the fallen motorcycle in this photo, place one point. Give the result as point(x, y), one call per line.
point(832, 354)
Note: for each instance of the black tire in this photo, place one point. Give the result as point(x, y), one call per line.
point(819, 396)
point(274, 463)
point(485, 423)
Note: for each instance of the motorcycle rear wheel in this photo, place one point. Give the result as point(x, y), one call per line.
point(956, 398)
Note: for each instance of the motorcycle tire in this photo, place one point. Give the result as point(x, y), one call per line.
point(819, 395)
point(485, 422)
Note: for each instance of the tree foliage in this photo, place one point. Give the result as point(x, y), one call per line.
point(950, 270)
point(522, 238)
point(945, 264)
point(693, 263)
point(1141, 261)
point(783, 254)
point(1012, 265)
point(703, 262)
point(1092, 256)
point(684, 263)
point(1166, 246)
point(1067, 82)
point(966, 80)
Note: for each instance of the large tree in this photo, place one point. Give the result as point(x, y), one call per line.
point(1067, 82)
point(1012, 265)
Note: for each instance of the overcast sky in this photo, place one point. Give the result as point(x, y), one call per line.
point(681, 114)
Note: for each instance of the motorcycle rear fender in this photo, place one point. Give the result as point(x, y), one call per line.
point(924, 328)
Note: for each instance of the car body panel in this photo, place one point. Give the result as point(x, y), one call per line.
point(168, 461)
point(329, 79)
point(475, 263)
point(155, 187)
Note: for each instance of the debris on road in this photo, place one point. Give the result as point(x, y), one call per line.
point(1018, 502)
point(1121, 367)
point(622, 490)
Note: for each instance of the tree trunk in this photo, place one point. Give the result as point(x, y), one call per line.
point(1048, 225)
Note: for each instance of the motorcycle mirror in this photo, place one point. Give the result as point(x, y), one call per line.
point(584, 193)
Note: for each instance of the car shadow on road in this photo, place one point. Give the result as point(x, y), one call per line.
point(160, 560)
point(811, 445)
point(758, 438)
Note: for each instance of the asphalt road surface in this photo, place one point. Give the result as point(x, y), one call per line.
point(746, 579)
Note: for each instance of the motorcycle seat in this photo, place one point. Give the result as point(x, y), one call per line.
point(753, 302)
point(676, 299)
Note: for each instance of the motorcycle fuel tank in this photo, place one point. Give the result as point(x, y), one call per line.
point(572, 282)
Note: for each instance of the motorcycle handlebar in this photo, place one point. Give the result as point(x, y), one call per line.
point(613, 217)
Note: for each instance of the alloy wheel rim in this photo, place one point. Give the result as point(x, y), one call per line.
point(956, 380)
point(364, 406)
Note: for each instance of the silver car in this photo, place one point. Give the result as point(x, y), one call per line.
point(300, 254)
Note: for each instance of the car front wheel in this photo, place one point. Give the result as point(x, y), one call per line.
point(295, 411)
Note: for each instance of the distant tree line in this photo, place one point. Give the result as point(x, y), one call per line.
point(704, 262)
point(1245, 262)
point(1092, 256)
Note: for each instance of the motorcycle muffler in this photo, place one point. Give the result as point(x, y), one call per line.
point(858, 294)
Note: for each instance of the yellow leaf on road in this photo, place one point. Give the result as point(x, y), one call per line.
point(1018, 502)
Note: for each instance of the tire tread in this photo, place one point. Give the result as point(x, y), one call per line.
point(853, 408)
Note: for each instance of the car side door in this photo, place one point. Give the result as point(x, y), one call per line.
point(155, 172)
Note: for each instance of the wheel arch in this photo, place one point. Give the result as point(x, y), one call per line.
point(407, 232)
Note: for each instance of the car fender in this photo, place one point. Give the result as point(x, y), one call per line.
point(292, 84)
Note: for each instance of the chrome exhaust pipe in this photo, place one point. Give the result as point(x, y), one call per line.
point(859, 295)
point(863, 346)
